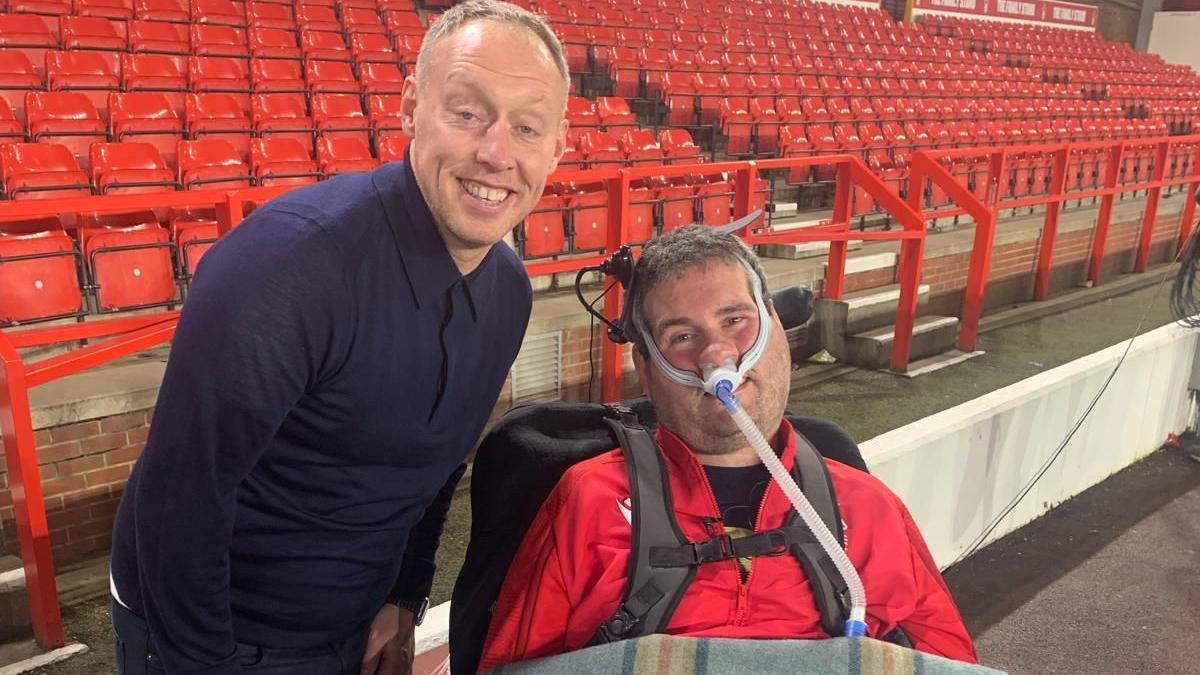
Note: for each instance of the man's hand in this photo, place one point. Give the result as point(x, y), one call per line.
point(390, 644)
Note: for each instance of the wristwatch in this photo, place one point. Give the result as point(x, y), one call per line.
point(417, 607)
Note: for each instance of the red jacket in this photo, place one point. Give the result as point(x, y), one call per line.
point(570, 571)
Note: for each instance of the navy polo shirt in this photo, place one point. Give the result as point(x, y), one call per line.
point(330, 372)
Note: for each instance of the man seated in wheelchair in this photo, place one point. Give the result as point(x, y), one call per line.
point(717, 547)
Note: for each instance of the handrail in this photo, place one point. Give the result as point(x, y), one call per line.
point(930, 165)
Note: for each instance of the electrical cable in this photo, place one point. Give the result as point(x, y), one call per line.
point(591, 307)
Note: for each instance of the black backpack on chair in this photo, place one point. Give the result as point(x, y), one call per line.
point(521, 460)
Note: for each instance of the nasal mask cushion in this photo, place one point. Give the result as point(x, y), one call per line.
point(727, 374)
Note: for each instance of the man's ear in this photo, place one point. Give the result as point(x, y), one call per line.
point(408, 106)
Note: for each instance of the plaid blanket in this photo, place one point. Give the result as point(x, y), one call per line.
point(671, 655)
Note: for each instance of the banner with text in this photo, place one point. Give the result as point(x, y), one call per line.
point(1049, 12)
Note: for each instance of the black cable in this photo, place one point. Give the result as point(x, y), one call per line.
point(592, 331)
point(978, 542)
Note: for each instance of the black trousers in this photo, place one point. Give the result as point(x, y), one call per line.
point(135, 655)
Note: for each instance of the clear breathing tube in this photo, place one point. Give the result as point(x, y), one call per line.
point(856, 625)
point(721, 381)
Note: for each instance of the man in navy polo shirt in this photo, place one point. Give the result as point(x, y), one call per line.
point(338, 356)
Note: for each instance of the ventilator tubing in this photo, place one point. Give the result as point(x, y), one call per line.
point(723, 389)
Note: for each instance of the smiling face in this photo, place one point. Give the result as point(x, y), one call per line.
point(707, 315)
point(487, 123)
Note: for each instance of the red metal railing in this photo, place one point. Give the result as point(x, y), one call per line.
point(1112, 156)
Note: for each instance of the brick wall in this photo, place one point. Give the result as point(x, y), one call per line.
point(84, 467)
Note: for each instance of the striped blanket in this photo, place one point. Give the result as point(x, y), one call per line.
point(670, 655)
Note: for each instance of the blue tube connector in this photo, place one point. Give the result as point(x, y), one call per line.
point(855, 628)
point(724, 393)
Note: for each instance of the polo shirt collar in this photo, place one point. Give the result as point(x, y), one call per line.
point(430, 270)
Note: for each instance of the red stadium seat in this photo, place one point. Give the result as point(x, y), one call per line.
point(614, 114)
point(384, 114)
point(85, 72)
point(224, 12)
point(219, 40)
point(193, 233)
point(220, 75)
point(218, 116)
point(371, 48)
point(129, 264)
point(716, 202)
point(17, 76)
point(344, 155)
point(589, 219)
point(324, 46)
point(11, 128)
point(39, 278)
point(408, 47)
point(678, 147)
point(282, 116)
point(109, 9)
point(600, 148)
point(65, 118)
point(402, 23)
point(41, 171)
point(145, 117)
point(313, 17)
point(273, 43)
point(159, 37)
point(174, 11)
point(277, 76)
point(641, 148)
point(155, 73)
point(544, 233)
point(340, 115)
point(391, 148)
point(85, 32)
point(282, 161)
point(358, 20)
point(52, 8)
point(736, 126)
point(270, 15)
point(330, 77)
point(581, 113)
point(380, 78)
point(211, 164)
point(129, 168)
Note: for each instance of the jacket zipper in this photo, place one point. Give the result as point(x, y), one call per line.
point(743, 608)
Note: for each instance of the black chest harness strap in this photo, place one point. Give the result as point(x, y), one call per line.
point(662, 562)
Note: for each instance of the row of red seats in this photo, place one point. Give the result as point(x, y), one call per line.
point(272, 42)
point(90, 74)
point(218, 12)
point(50, 171)
point(69, 119)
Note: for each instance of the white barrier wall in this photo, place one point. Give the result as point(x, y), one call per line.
point(958, 469)
point(1173, 37)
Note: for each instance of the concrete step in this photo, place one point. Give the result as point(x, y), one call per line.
point(857, 312)
point(937, 362)
point(875, 307)
point(873, 349)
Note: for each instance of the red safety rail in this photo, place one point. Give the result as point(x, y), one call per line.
point(115, 338)
point(851, 172)
point(132, 334)
point(1112, 156)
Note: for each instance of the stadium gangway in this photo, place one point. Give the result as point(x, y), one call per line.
point(931, 165)
point(114, 338)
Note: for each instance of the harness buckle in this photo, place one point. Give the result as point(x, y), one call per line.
point(777, 542)
point(717, 548)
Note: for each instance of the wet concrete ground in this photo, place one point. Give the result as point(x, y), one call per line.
point(866, 404)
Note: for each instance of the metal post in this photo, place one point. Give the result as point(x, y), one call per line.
point(1151, 215)
point(29, 509)
point(981, 257)
point(908, 273)
point(1189, 205)
point(1045, 259)
point(1104, 218)
point(835, 269)
point(618, 232)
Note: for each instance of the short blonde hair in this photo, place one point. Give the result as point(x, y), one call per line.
point(500, 12)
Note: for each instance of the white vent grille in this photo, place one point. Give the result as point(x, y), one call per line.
point(537, 372)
